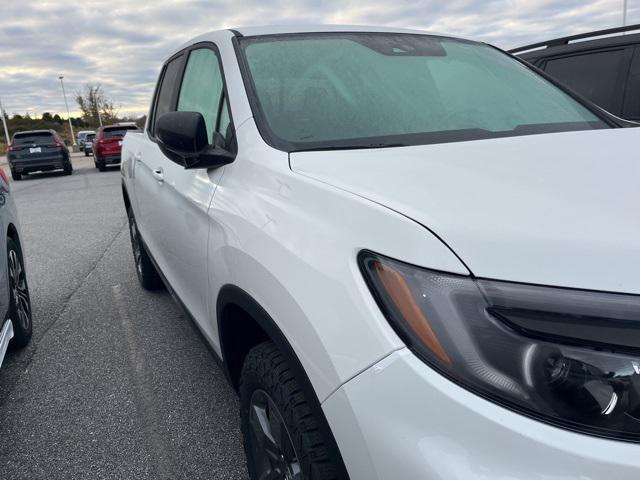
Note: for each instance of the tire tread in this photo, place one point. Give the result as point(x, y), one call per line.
point(267, 367)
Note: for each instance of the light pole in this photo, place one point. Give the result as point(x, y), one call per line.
point(4, 122)
point(73, 138)
point(624, 13)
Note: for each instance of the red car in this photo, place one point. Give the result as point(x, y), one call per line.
point(107, 144)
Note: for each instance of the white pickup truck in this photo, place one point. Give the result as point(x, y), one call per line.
point(415, 256)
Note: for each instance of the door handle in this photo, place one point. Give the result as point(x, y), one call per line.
point(158, 174)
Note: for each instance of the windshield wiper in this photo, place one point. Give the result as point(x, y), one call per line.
point(359, 146)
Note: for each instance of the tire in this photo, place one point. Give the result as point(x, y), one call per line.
point(68, 169)
point(16, 176)
point(145, 269)
point(19, 298)
point(86, 154)
point(101, 166)
point(271, 399)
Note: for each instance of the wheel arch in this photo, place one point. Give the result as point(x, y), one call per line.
point(125, 197)
point(242, 324)
point(12, 232)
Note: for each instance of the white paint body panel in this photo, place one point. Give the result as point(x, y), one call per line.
point(400, 419)
point(554, 209)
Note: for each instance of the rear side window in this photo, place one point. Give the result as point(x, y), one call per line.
point(165, 96)
point(202, 91)
point(31, 138)
point(598, 76)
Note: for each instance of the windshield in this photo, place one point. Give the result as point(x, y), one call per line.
point(373, 89)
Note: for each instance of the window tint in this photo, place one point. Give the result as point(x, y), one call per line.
point(631, 109)
point(594, 75)
point(29, 138)
point(164, 103)
point(320, 90)
point(201, 89)
point(117, 131)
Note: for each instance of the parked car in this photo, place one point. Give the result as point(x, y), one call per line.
point(15, 302)
point(602, 66)
point(107, 144)
point(88, 144)
point(82, 137)
point(38, 151)
point(414, 255)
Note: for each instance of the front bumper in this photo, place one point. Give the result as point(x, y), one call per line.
point(6, 334)
point(401, 419)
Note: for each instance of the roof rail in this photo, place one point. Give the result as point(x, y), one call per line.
point(566, 40)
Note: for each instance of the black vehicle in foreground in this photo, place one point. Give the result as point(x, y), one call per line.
point(602, 66)
point(38, 151)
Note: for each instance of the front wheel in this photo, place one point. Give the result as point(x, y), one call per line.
point(146, 270)
point(282, 436)
point(16, 176)
point(19, 299)
point(68, 169)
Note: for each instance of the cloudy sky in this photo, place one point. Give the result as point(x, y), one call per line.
point(120, 44)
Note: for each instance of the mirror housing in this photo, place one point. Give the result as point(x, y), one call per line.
point(182, 137)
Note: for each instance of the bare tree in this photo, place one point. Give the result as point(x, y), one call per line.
point(95, 105)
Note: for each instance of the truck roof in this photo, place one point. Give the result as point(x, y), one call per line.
point(284, 29)
point(217, 35)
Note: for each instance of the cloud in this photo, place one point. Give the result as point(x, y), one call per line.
point(121, 44)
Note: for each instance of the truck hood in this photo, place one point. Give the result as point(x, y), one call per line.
point(558, 209)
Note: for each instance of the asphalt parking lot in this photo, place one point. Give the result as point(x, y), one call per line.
point(117, 383)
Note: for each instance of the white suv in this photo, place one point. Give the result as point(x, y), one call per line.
point(415, 256)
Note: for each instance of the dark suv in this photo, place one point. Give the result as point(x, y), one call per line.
point(603, 66)
point(37, 151)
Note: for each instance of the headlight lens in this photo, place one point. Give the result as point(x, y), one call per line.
point(569, 357)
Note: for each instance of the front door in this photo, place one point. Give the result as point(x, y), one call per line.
point(179, 219)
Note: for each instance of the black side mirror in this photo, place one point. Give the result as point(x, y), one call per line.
point(182, 136)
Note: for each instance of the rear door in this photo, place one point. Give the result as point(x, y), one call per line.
point(34, 146)
point(599, 75)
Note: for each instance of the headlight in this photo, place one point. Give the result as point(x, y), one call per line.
point(568, 357)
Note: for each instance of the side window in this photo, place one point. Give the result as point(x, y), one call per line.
point(164, 102)
point(632, 98)
point(202, 91)
point(598, 76)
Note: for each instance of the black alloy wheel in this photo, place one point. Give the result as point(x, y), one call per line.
point(19, 299)
point(281, 427)
point(273, 454)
